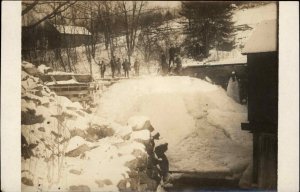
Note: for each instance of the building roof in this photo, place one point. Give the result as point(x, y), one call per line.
point(263, 39)
point(67, 29)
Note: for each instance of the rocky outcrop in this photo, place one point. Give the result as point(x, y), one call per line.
point(64, 148)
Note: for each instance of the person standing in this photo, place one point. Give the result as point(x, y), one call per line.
point(163, 162)
point(178, 65)
point(102, 68)
point(113, 66)
point(171, 56)
point(126, 67)
point(137, 67)
point(233, 90)
point(119, 66)
point(163, 63)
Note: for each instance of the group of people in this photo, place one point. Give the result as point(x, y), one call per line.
point(116, 65)
point(173, 66)
point(174, 63)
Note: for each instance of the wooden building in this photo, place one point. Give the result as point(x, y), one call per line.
point(47, 36)
point(262, 64)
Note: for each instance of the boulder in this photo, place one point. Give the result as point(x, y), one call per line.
point(140, 123)
point(79, 188)
point(142, 136)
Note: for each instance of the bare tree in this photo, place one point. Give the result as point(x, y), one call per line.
point(58, 7)
point(131, 12)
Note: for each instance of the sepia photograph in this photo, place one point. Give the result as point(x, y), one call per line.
point(155, 96)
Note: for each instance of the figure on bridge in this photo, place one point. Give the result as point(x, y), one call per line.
point(137, 67)
point(126, 66)
point(118, 64)
point(172, 51)
point(163, 63)
point(102, 68)
point(178, 65)
point(113, 66)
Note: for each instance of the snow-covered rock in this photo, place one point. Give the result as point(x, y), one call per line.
point(66, 149)
point(30, 68)
point(44, 69)
point(142, 135)
point(140, 123)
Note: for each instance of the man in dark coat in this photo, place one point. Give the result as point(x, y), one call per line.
point(163, 63)
point(178, 65)
point(113, 66)
point(102, 68)
point(152, 169)
point(163, 160)
point(126, 67)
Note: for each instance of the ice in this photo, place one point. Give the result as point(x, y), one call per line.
point(198, 120)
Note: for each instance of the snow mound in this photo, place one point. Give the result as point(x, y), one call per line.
point(198, 120)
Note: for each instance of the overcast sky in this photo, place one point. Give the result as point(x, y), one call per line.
point(170, 4)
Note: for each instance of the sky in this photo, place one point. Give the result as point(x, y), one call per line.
point(167, 4)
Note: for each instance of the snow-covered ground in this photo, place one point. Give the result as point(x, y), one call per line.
point(198, 120)
point(66, 149)
point(250, 18)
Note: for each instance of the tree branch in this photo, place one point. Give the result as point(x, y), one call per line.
point(29, 7)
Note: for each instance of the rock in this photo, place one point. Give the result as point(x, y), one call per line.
point(29, 117)
point(44, 69)
point(99, 131)
point(79, 188)
point(78, 151)
point(26, 181)
point(101, 183)
point(74, 171)
point(140, 123)
point(123, 131)
point(30, 69)
point(42, 129)
point(142, 136)
point(78, 132)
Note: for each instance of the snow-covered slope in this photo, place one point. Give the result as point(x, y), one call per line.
point(66, 149)
point(198, 120)
point(246, 21)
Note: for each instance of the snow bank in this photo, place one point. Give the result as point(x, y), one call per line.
point(198, 120)
point(66, 149)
